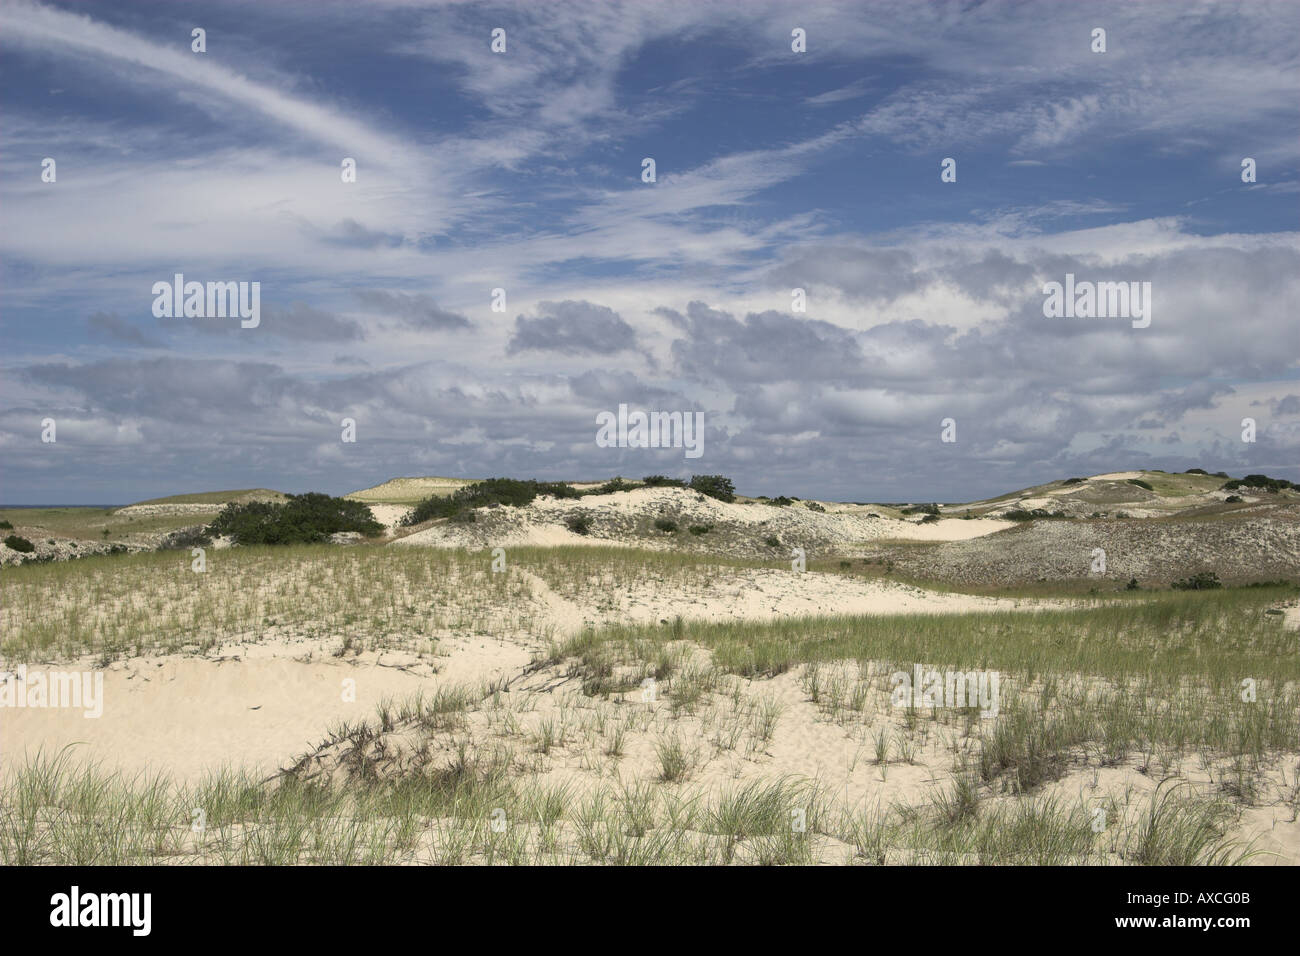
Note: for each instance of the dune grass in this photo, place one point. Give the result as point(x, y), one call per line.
point(1153, 682)
point(154, 602)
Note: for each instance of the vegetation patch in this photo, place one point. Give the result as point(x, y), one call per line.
point(1259, 481)
point(19, 544)
point(483, 494)
point(715, 486)
point(302, 519)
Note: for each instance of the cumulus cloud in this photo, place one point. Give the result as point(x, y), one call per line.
point(573, 328)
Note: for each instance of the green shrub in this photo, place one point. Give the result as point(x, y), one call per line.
point(1019, 514)
point(715, 486)
point(662, 481)
point(613, 485)
point(1258, 481)
point(1196, 471)
point(772, 541)
point(186, 538)
point(1074, 481)
point(814, 506)
point(1132, 585)
point(1141, 484)
point(1201, 581)
point(929, 518)
point(5, 525)
point(19, 544)
point(578, 524)
point(1234, 499)
point(930, 509)
point(782, 502)
point(482, 494)
point(665, 524)
point(698, 529)
point(302, 519)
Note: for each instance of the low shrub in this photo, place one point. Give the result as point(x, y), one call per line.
point(6, 526)
point(21, 545)
point(578, 524)
point(302, 519)
point(1141, 484)
point(715, 486)
point(186, 538)
point(772, 541)
point(1259, 481)
point(666, 524)
point(482, 494)
point(1201, 581)
point(698, 529)
point(662, 481)
point(615, 484)
point(1020, 514)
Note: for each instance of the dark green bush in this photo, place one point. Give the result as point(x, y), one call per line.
point(662, 481)
point(783, 501)
point(1201, 581)
point(1141, 484)
point(578, 524)
point(1259, 481)
point(19, 544)
point(303, 519)
point(5, 525)
point(1019, 514)
point(665, 524)
point(1233, 499)
point(1132, 585)
point(930, 509)
point(772, 541)
point(1074, 481)
point(482, 494)
point(814, 506)
point(613, 485)
point(715, 486)
point(698, 529)
point(1196, 471)
point(187, 538)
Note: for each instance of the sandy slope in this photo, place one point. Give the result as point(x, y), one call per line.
point(255, 706)
point(263, 703)
point(739, 528)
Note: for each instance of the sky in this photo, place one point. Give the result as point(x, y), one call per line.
point(775, 169)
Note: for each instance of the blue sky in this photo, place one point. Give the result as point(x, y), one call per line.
point(775, 170)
